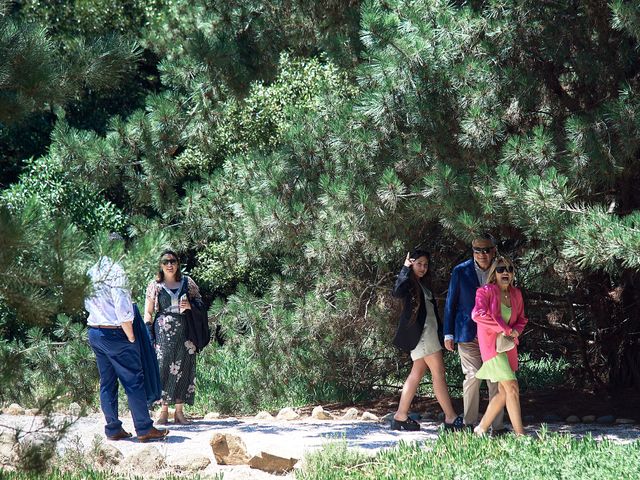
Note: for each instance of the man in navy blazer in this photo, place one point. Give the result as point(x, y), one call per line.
point(461, 329)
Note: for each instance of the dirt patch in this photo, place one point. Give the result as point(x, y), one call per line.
point(536, 405)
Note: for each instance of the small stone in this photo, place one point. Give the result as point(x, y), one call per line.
point(190, 463)
point(387, 418)
point(7, 447)
point(625, 421)
point(288, 413)
point(589, 418)
point(351, 414)
point(369, 416)
point(552, 418)
point(319, 413)
point(106, 455)
point(605, 419)
point(573, 419)
point(264, 416)
point(147, 460)
point(229, 449)
point(14, 409)
point(74, 409)
point(212, 416)
point(272, 463)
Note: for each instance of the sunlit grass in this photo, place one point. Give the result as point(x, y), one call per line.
point(465, 456)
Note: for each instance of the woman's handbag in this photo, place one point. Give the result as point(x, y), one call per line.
point(504, 343)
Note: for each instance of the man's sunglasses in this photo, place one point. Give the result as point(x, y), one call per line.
point(167, 261)
point(482, 250)
point(504, 268)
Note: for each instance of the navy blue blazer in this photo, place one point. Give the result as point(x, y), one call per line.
point(461, 299)
point(150, 369)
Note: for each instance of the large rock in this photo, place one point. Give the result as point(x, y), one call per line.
point(589, 418)
point(320, 413)
point(352, 414)
point(369, 416)
point(32, 412)
point(229, 449)
point(387, 418)
point(107, 455)
point(190, 463)
point(148, 460)
point(212, 416)
point(605, 419)
point(288, 413)
point(625, 421)
point(272, 463)
point(573, 419)
point(264, 416)
point(14, 409)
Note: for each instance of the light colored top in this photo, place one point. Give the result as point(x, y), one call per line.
point(110, 303)
point(506, 313)
point(429, 342)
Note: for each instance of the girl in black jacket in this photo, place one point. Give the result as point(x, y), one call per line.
point(419, 332)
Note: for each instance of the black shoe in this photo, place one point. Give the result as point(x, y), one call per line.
point(409, 425)
point(456, 425)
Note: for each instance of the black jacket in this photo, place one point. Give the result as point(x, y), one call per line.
point(408, 333)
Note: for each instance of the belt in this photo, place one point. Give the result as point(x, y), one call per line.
point(109, 327)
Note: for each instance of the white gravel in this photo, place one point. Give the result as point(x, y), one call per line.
point(293, 438)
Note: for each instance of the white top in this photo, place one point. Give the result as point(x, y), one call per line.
point(110, 303)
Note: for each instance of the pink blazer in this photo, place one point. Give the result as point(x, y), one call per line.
point(486, 313)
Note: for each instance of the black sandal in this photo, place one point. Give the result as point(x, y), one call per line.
point(456, 425)
point(409, 425)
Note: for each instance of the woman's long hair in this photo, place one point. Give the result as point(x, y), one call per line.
point(416, 289)
point(160, 274)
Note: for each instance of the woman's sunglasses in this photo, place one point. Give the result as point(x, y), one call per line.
point(504, 268)
point(168, 261)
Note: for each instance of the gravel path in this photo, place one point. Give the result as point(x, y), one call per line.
point(284, 438)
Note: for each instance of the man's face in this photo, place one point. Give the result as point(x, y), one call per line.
point(483, 252)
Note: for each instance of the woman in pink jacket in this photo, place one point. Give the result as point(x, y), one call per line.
point(499, 311)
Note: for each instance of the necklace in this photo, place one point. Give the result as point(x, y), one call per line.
point(505, 294)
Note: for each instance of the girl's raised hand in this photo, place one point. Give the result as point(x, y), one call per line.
point(409, 261)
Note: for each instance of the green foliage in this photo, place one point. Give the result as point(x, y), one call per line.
point(57, 193)
point(36, 76)
point(467, 456)
point(44, 368)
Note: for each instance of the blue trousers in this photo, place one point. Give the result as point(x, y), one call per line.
point(117, 358)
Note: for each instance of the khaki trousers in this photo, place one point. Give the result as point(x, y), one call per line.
point(471, 362)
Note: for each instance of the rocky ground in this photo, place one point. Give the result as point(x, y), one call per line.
point(188, 448)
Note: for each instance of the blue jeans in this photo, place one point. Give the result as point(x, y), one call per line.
point(117, 358)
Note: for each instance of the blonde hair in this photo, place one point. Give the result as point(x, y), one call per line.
point(491, 277)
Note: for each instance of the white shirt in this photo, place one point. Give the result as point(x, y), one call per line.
point(483, 275)
point(110, 303)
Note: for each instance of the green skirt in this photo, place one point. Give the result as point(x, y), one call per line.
point(497, 369)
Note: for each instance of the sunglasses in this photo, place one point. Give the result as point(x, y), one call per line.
point(504, 268)
point(169, 261)
point(482, 250)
